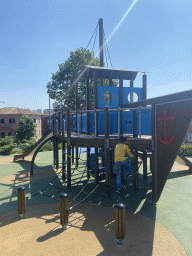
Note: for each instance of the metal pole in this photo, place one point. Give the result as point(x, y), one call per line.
point(119, 123)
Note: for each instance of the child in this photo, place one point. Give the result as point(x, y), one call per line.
point(121, 161)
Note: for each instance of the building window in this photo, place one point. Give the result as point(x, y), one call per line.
point(39, 120)
point(39, 132)
point(11, 120)
point(9, 134)
point(34, 120)
point(2, 121)
point(189, 136)
point(2, 135)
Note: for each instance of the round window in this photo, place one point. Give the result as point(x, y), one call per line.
point(132, 97)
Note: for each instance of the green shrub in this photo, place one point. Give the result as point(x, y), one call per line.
point(27, 144)
point(47, 147)
point(7, 145)
point(186, 150)
point(16, 150)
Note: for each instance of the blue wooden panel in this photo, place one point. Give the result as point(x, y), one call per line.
point(84, 123)
point(145, 122)
point(128, 90)
point(102, 90)
point(113, 121)
point(127, 122)
point(101, 123)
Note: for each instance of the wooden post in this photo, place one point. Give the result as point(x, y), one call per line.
point(57, 142)
point(54, 139)
point(152, 162)
point(77, 159)
point(134, 124)
point(136, 176)
point(88, 125)
point(68, 148)
point(119, 223)
point(81, 122)
point(63, 207)
point(72, 153)
point(107, 150)
point(144, 164)
point(63, 147)
point(96, 102)
point(87, 105)
point(21, 201)
point(144, 87)
point(131, 94)
point(76, 104)
point(121, 101)
point(96, 166)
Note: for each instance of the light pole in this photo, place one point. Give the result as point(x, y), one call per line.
point(48, 91)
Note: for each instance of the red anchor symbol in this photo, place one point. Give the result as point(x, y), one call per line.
point(165, 119)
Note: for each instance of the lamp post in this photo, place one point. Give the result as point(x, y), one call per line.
point(48, 91)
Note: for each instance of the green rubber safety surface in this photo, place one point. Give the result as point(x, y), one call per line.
point(173, 210)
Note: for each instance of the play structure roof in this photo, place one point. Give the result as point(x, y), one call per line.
point(109, 73)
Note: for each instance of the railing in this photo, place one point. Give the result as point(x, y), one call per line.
point(57, 125)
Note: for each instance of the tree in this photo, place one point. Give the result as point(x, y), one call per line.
point(61, 89)
point(26, 128)
point(7, 145)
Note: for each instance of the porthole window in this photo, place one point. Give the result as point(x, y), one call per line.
point(132, 97)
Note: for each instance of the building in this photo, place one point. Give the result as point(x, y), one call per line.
point(188, 135)
point(46, 111)
point(10, 117)
point(39, 111)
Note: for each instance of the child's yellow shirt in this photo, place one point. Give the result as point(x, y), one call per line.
point(120, 151)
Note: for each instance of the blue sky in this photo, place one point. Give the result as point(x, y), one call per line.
point(37, 35)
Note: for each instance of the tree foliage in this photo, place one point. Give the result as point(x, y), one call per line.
point(7, 145)
point(27, 144)
point(61, 89)
point(26, 128)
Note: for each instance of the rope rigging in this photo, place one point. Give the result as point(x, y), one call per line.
point(92, 35)
point(83, 188)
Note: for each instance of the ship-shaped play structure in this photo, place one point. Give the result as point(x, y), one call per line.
point(156, 127)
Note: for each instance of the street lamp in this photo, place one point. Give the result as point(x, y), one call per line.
point(49, 92)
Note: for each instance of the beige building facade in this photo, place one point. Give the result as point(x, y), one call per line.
point(9, 121)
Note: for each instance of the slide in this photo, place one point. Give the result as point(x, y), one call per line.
point(183, 160)
point(44, 137)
